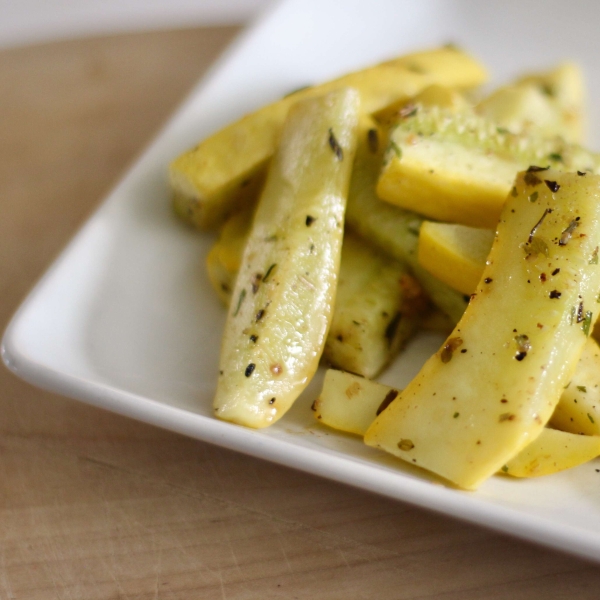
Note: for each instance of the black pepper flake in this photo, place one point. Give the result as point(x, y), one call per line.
point(581, 173)
point(552, 185)
point(309, 220)
point(488, 280)
point(313, 406)
point(254, 338)
point(249, 369)
point(556, 272)
point(272, 401)
point(455, 415)
point(334, 145)
point(463, 351)
point(543, 277)
point(260, 314)
point(555, 294)
point(520, 356)
point(373, 140)
point(536, 169)
point(389, 398)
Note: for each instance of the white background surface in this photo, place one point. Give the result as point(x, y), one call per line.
point(33, 21)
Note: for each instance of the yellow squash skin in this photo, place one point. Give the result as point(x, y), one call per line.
point(350, 403)
point(455, 254)
point(227, 169)
point(283, 299)
point(491, 388)
point(553, 451)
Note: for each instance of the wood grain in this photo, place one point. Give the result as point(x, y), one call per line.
point(95, 506)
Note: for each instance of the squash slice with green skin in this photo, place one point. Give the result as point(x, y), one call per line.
point(378, 305)
point(459, 167)
point(283, 299)
point(391, 229)
point(493, 385)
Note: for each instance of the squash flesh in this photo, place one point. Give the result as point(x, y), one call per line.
point(494, 384)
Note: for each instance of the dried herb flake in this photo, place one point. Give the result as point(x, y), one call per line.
point(239, 304)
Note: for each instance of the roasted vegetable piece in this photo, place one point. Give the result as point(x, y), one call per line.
point(433, 95)
point(378, 304)
point(551, 102)
point(227, 168)
point(579, 408)
point(224, 259)
point(553, 451)
point(378, 308)
point(350, 403)
point(459, 167)
point(283, 299)
point(391, 229)
point(455, 254)
point(495, 382)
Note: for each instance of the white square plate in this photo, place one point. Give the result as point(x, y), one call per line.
point(125, 319)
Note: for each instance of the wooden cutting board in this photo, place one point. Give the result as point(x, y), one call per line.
point(96, 506)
